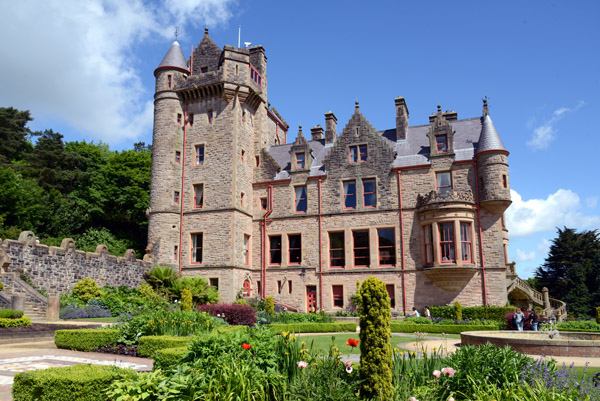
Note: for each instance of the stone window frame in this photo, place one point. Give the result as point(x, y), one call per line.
point(175, 253)
point(290, 249)
point(456, 218)
point(349, 194)
point(337, 296)
point(331, 249)
point(191, 119)
point(194, 247)
point(177, 157)
point(393, 247)
point(279, 250)
point(357, 153)
point(468, 231)
point(195, 203)
point(428, 245)
point(437, 185)
point(364, 193)
point(214, 282)
point(247, 249)
point(169, 81)
point(199, 154)
point(368, 248)
point(176, 197)
point(391, 294)
point(439, 144)
point(300, 161)
point(263, 205)
point(179, 117)
point(298, 200)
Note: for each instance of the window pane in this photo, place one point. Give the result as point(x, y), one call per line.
point(198, 196)
point(275, 249)
point(350, 194)
point(336, 249)
point(361, 248)
point(301, 202)
point(444, 183)
point(370, 196)
point(466, 246)
point(295, 248)
point(353, 154)
point(338, 296)
point(442, 143)
point(447, 242)
point(363, 153)
point(392, 294)
point(387, 248)
point(196, 248)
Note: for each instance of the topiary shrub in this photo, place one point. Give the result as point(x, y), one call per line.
point(75, 383)
point(168, 358)
point(375, 335)
point(85, 339)
point(270, 305)
point(86, 289)
point(15, 322)
point(598, 314)
point(149, 345)
point(186, 300)
point(458, 310)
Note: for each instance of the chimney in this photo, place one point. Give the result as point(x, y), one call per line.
point(330, 127)
point(401, 118)
point(316, 133)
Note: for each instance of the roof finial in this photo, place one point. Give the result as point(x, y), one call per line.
point(356, 105)
point(300, 130)
point(439, 108)
point(176, 33)
point(486, 110)
point(206, 30)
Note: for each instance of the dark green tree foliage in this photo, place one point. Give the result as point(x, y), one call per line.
point(375, 335)
point(572, 270)
point(13, 134)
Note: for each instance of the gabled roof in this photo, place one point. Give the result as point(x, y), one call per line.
point(489, 138)
point(174, 59)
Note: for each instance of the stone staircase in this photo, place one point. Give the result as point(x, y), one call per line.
point(35, 303)
point(526, 297)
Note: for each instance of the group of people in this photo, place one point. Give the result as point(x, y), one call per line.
point(416, 313)
point(519, 319)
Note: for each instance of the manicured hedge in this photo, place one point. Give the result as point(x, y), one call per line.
point(10, 314)
point(22, 321)
point(73, 383)
point(472, 312)
point(438, 328)
point(85, 339)
point(148, 345)
point(314, 327)
point(168, 358)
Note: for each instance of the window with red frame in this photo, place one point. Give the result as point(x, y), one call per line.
point(358, 153)
point(392, 294)
point(444, 182)
point(428, 239)
point(369, 193)
point(441, 141)
point(466, 245)
point(177, 157)
point(360, 240)
point(246, 253)
point(197, 248)
point(447, 242)
point(176, 197)
point(300, 160)
point(175, 253)
point(338, 296)
point(337, 252)
point(295, 249)
point(362, 150)
point(169, 81)
point(191, 119)
point(263, 203)
point(275, 249)
point(353, 154)
point(387, 247)
point(209, 114)
point(198, 196)
point(301, 199)
point(199, 155)
point(179, 119)
point(350, 195)
point(255, 76)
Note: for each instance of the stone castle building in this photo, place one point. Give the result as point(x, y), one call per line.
point(419, 207)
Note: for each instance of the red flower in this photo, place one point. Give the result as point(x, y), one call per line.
point(352, 342)
point(246, 346)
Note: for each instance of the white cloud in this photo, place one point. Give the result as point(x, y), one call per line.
point(562, 208)
point(591, 201)
point(546, 133)
point(73, 61)
point(523, 256)
point(544, 246)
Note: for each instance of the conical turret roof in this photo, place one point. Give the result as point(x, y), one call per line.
point(173, 60)
point(489, 139)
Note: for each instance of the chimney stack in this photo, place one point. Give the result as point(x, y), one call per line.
point(316, 132)
point(330, 127)
point(401, 118)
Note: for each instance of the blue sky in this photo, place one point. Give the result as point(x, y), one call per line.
point(85, 69)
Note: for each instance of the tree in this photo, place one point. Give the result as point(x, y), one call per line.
point(14, 134)
point(572, 269)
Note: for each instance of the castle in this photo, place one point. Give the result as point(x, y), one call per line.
point(419, 207)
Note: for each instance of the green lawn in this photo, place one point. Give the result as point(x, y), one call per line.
point(322, 342)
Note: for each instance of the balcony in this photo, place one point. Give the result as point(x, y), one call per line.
point(436, 200)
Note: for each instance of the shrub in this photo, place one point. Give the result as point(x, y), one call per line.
point(85, 339)
point(202, 292)
point(148, 345)
point(169, 358)
point(186, 300)
point(86, 289)
point(314, 327)
point(1, 286)
point(90, 310)
point(375, 335)
point(21, 321)
point(231, 313)
point(579, 325)
point(10, 314)
point(458, 311)
point(270, 305)
point(398, 327)
point(472, 312)
point(146, 386)
point(598, 314)
point(290, 317)
point(161, 276)
point(76, 383)
point(242, 302)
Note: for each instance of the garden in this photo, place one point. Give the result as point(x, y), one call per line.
point(203, 350)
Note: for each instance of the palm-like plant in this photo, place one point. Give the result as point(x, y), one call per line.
point(161, 277)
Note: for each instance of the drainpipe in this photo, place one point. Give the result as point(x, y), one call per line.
point(181, 195)
point(480, 236)
point(402, 241)
point(320, 252)
point(263, 270)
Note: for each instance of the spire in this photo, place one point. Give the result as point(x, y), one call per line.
point(486, 111)
point(173, 60)
point(489, 139)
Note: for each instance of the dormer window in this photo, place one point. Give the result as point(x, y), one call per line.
point(441, 142)
point(300, 160)
point(444, 182)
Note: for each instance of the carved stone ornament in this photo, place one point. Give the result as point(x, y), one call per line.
point(451, 196)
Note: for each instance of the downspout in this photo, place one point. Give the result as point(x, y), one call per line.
point(181, 196)
point(480, 235)
point(320, 252)
point(263, 268)
point(402, 241)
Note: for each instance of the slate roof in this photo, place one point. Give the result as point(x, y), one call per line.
point(173, 59)
point(413, 151)
point(489, 139)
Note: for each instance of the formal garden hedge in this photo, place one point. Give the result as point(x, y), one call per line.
point(79, 382)
point(472, 312)
point(85, 339)
point(169, 358)
point(314, 327)
point(149, 345)
point(399, 327)
point(11, 322)
point(10, 314)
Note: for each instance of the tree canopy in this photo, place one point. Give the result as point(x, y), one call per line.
point(74, 189)
point(572, 270)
